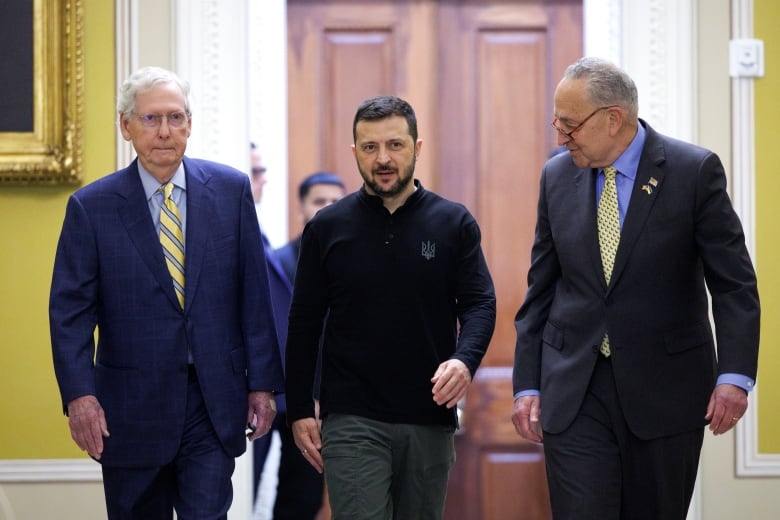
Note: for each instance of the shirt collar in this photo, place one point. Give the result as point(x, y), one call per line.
point(628, 162)
point(151, 185)
point(376, 200)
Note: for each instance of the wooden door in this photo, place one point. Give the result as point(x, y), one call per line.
point(480, 75)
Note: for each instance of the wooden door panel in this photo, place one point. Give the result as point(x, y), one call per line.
point(520, 482)
point(347, 52)
point(509, 158)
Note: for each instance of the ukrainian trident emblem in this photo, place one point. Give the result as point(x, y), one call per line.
point(428, 250)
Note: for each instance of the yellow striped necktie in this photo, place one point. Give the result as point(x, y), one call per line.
point(609, 234)
point(172, 240)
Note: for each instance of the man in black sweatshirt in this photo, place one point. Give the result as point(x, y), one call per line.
point(411, 310)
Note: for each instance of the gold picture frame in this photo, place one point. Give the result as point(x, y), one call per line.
point(52, 152)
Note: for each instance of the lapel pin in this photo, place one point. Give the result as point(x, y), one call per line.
point(647, 189)
point(653, 182)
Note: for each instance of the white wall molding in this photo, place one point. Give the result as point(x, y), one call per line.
point(211, 52)
point(655, 42)
point(50, 470)
point(602, 20)
point(126, 26)
point(750, 462)
point(659, 50)
point(268, 110)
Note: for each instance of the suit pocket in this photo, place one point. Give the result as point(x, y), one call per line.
point(687, 338)
point(552, 336)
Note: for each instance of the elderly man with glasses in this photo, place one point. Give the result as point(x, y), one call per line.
point(617, 369)
point(164, 260)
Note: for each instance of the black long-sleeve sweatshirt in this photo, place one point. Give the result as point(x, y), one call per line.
point(404, 292)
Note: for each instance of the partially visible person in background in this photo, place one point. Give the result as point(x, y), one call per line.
point(257, 171)
point(164, 259)
point(299, 492)
point(281, 290)
point(315, 192)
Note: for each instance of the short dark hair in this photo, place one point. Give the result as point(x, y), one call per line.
point(380, 107)
point(318, 178)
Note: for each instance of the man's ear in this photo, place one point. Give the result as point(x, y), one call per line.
point(616, 119)
point(123, 122)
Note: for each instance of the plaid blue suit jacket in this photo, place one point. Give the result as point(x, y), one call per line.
point(110, 274)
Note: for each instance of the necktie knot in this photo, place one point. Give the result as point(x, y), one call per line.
point(166, 190)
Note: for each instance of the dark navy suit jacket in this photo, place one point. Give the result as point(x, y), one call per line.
point(680, 238)
point(109, 273)
point(281, 296)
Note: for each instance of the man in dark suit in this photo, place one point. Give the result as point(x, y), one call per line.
point(616, 369)
point(299, 493)
point(185, 360)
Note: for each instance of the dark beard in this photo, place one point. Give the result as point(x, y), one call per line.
point(398, 187)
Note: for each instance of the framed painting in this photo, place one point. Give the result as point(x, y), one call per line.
point(41, 92)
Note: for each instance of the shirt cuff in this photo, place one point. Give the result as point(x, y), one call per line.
point(524, 393)
point(744, 382)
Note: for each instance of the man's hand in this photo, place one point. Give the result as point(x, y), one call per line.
point(525, 417)
point(87, 423)
point(450, 382)
point(262, 410)
point(307, 438)
point(727, 406)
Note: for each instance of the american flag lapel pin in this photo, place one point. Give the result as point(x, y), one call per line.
point(648, 188)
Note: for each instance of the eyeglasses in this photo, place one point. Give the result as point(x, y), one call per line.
point(176, 120)
point(570, 134)
point(258, 170)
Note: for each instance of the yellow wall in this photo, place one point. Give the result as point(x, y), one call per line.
point(767, 13)
point(33, 425)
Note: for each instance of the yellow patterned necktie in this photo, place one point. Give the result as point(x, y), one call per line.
point(609, 234)
point(172, 240)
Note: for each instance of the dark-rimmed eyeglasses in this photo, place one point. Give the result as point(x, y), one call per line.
point(175, 120)
point(570, 133)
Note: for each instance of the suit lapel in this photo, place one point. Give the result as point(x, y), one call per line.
point(134, 214)
point(647, 188)
point(585, 183)
point(200, 208)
